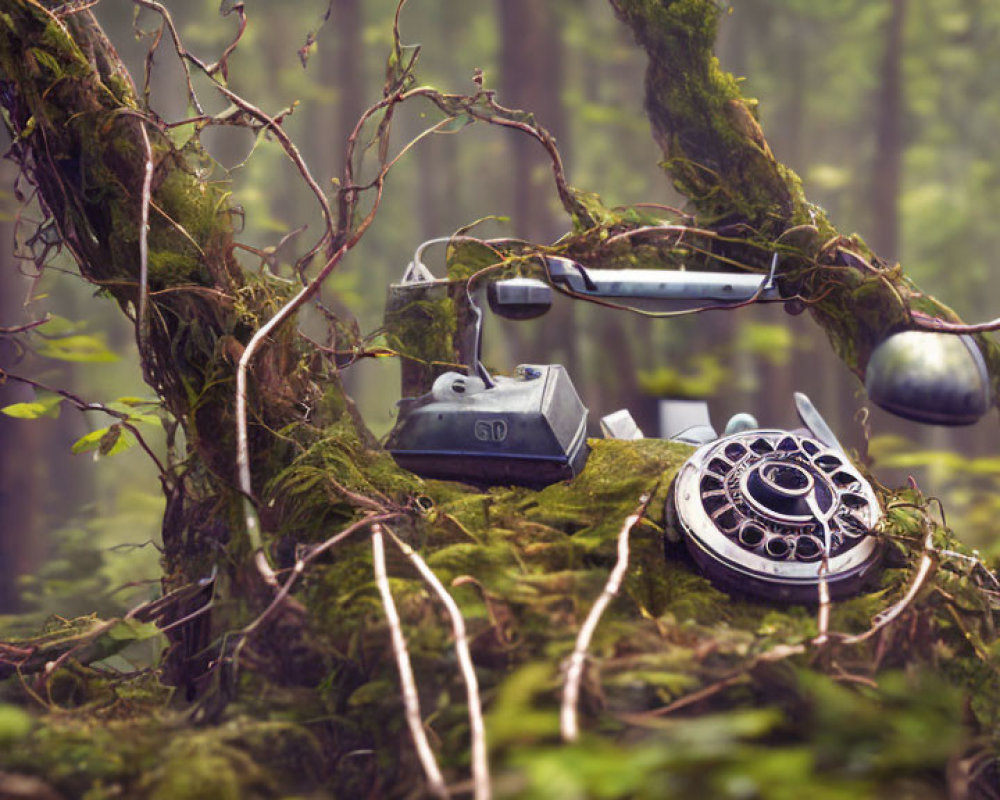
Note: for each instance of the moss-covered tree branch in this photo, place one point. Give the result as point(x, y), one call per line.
point(717, 155)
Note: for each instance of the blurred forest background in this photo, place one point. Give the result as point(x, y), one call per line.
point(888, 111)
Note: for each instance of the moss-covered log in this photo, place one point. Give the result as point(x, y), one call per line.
point(688, 690)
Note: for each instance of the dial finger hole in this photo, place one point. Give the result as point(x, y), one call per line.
point(720, 466)
point(853, 527)
point(714, 503)
point(751, 535)
point(828, 462)
point(844, 478)
point(854, 500)
point(710, 483)
point(808, 548)
point(728, 521)
point(735, 451)
point(778, 547)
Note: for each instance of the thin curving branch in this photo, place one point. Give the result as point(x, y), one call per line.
point(574, 671)
point(480, 756)
point(411, 701)
point(147, 183)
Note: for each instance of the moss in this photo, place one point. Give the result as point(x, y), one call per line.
point(525, 567)
point(242, 759)
point(314, 492)
point(421, 326)
point(155, 755)
point(167, 267)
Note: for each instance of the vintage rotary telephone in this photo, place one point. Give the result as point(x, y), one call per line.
point(530, 429)
point(758, 508)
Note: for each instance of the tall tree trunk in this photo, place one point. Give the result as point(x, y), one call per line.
point(440, 183)
point(21, 481)
point(346, 71)
point(531, 65)
point(341, 65)
point(531, 79)
point(887, 168)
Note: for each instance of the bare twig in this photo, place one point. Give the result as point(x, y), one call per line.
point(974, 560)
point(222, 64)
point(927, 322)
point(49, 651)
point(178, 227)
point(774, 655)
point(687, 700)
point(185, 619)
point(823, 614)
point(480, 762)
point(927, 562)
point(147, 184)
point(274, 126)
point(300, 566)
point(242, 445)
point(411, 702)
point(664, 229)
point(574, 671)
point(185, 56)
point(483, 106)
point(23, 328)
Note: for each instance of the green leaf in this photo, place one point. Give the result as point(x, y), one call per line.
point(141, 418)
point(109, 441)
point(456, 123)
point(77, 348)
point(370, 693)
point(28, 127)
point(24, 410)
point(46, 404)
point(130, 630)
point(146, 419)
point(180, 135)
point(136, 401)
point(517, 716)
point(88, 442)
point(47, 60)
point(56, 326)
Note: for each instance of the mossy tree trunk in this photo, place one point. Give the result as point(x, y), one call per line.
point(77, 124)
